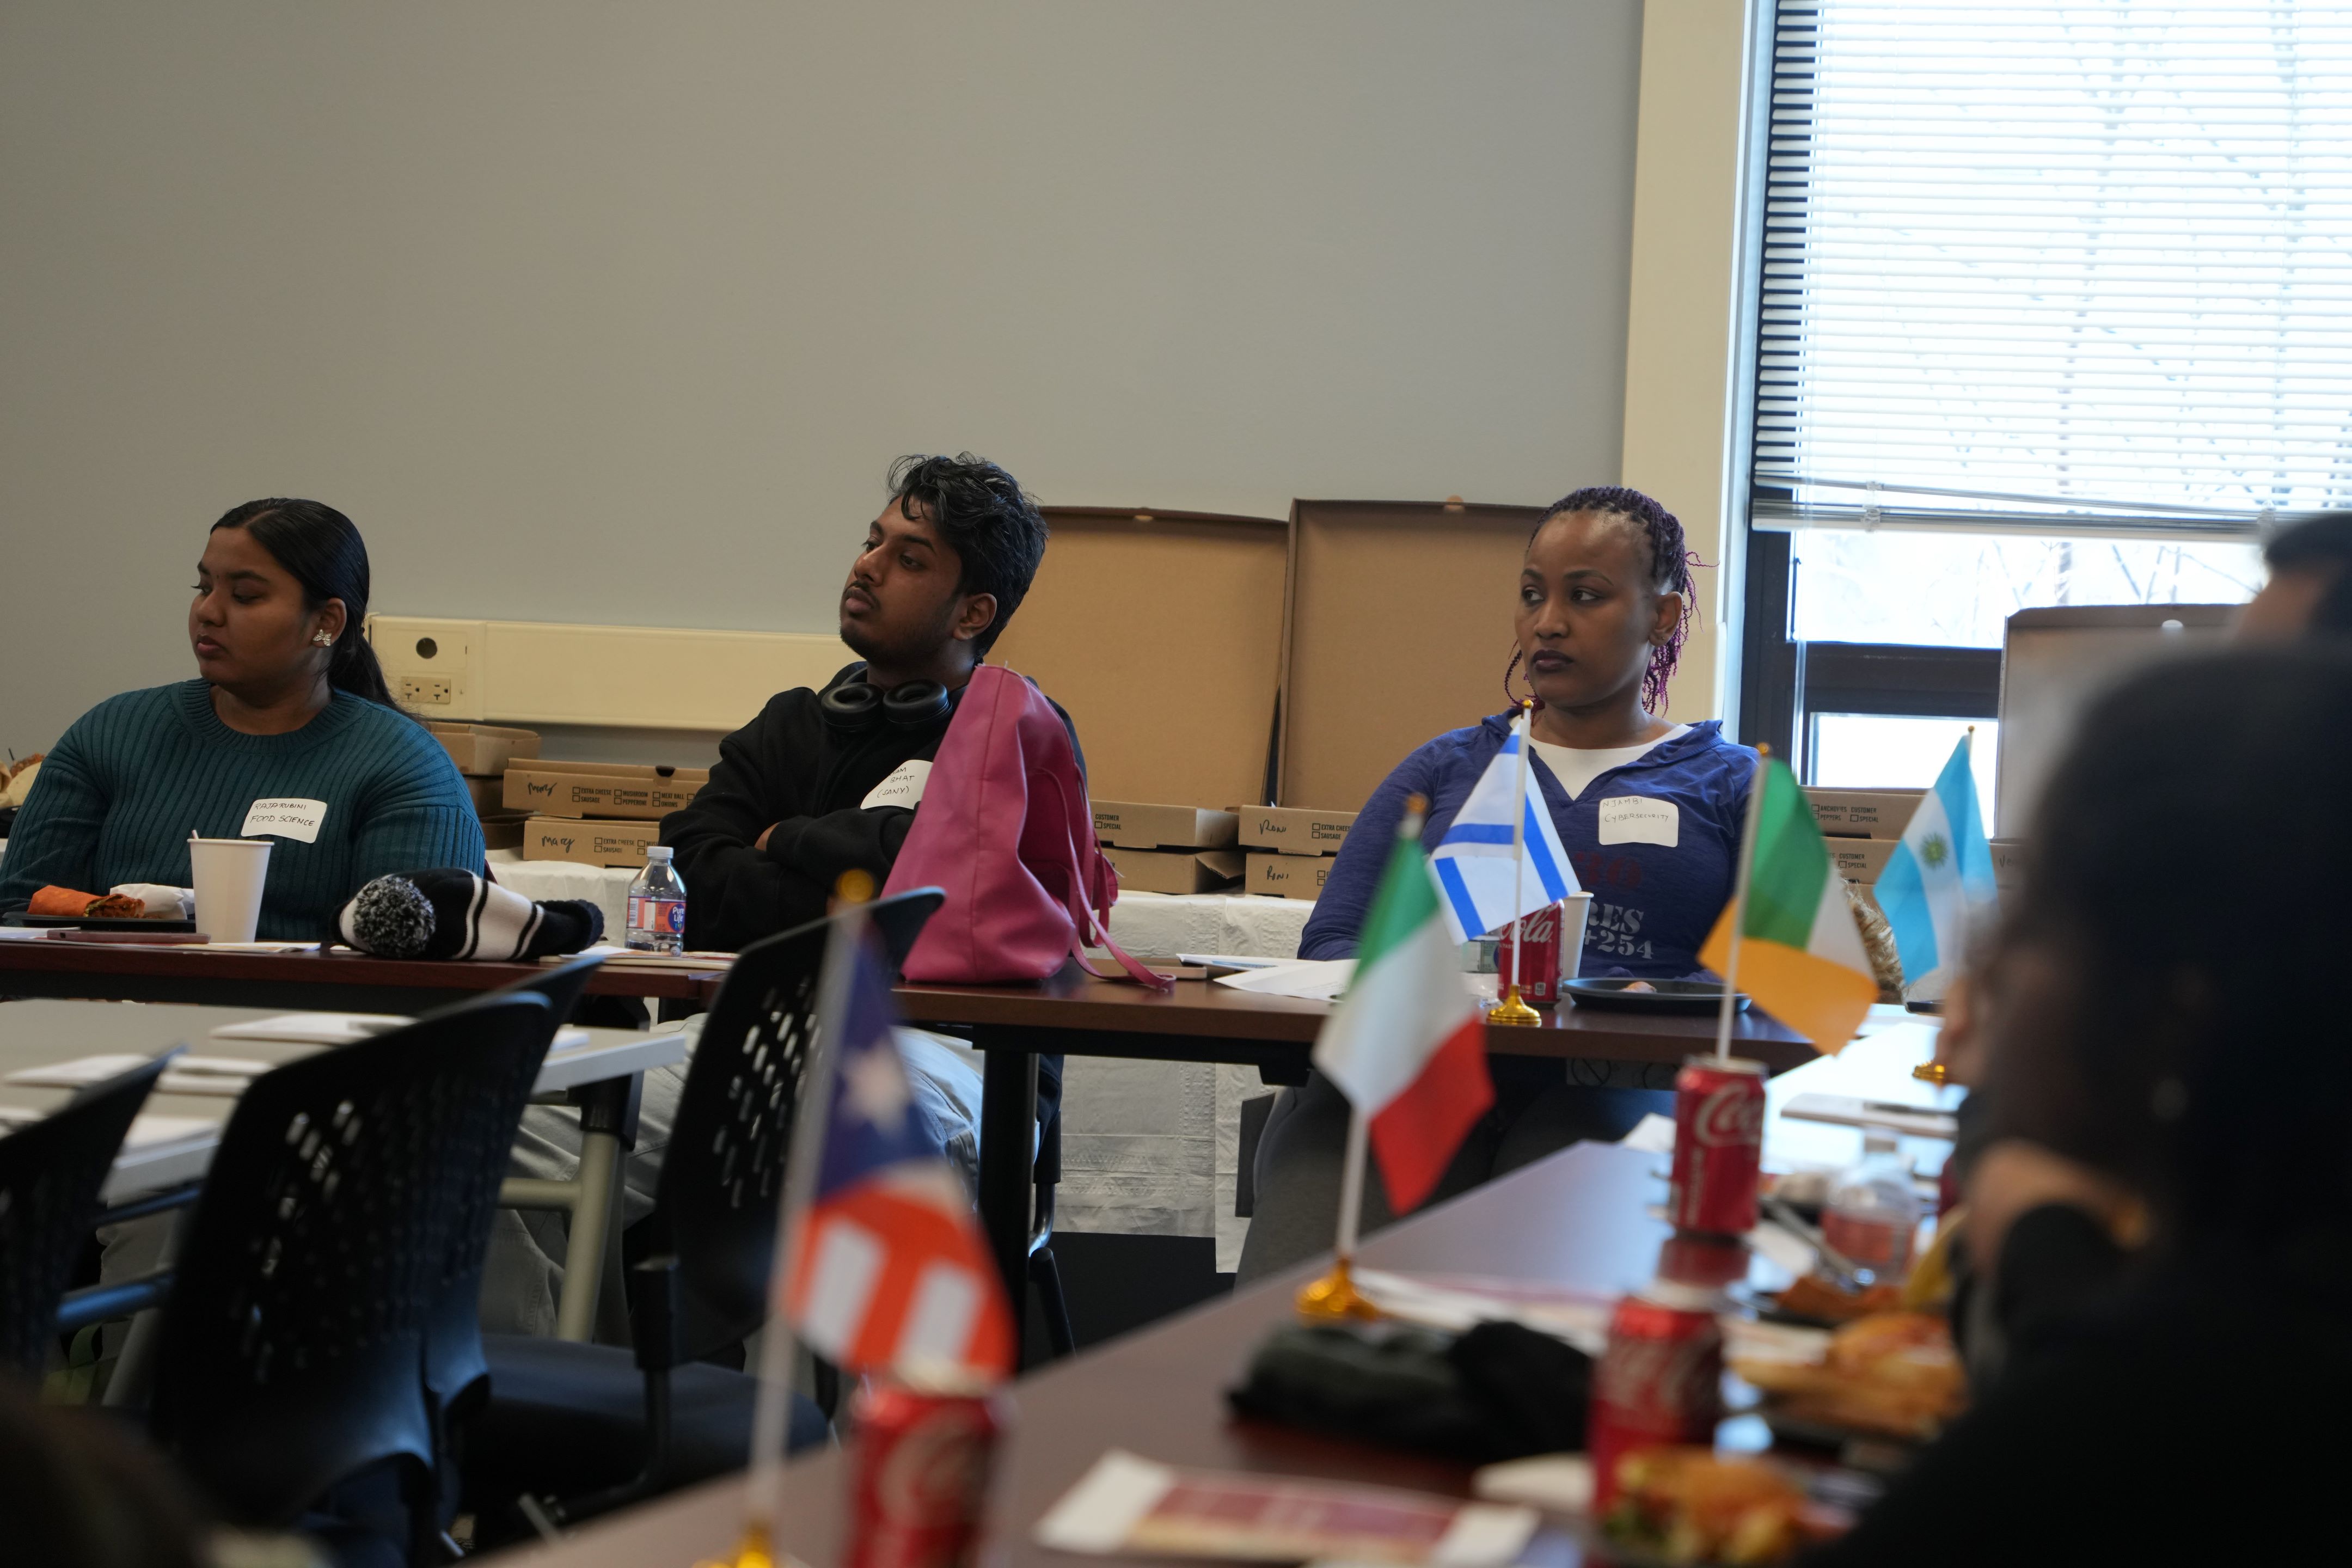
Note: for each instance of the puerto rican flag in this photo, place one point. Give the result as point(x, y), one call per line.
point(890, 1270)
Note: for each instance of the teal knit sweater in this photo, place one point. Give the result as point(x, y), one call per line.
point(117, 799)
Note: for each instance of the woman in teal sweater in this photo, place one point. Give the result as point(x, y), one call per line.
point(290, 706)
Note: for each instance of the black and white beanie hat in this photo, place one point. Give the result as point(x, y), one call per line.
point(447, 913)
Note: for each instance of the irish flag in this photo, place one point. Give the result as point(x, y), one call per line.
point(1799, 951)
point(1406, 1044)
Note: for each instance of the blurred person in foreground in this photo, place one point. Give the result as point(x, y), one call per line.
point(2309, 593)
point(2161, 1211)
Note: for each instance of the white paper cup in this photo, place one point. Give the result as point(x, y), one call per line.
point(228, 873)
point(1572, 934)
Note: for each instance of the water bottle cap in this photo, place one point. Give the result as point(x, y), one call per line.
point(658, 851)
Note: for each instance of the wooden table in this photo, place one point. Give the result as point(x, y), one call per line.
point(341, 982)
point(1578, 1220)
point(1075, 1015)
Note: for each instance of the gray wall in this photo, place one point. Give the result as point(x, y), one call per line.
point(611, 312)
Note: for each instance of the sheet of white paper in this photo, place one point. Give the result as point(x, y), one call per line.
point(213, 1086)
point(77, 1072)
point(147, 1130)
point(1309, 979)
point(220, 1067)
point(1654, 1133)
point(310, 1028)
point(251, 946)
point(27, 933)
point(150, 1129)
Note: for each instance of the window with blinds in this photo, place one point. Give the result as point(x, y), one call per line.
point(2072, 269)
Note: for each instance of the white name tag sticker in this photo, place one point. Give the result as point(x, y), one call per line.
point(902, 788)
point(1638, 819)
point(289, 819)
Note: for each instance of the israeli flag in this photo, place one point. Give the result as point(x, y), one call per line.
point(1474, 867)
point(1940, 877)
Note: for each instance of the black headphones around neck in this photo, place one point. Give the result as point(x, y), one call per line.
point(858, 705)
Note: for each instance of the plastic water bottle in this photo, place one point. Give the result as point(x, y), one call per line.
point(1873, 1215)
point(657, 905)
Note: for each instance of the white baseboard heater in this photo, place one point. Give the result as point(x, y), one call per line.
point(546, 672)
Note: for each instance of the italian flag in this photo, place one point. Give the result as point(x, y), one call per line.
point(1800, 951)
point(1406, 1045)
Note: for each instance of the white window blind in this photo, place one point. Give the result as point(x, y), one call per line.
point(2062, 268)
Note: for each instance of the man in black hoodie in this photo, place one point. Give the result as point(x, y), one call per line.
point(824, 781)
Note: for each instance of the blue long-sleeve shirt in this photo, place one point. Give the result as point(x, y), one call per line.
point(118, 796)
point(1653, 904)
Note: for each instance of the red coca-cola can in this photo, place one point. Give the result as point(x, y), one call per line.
point(1535, 938)
point(919, 1469)
point(1659, 1381)
point(1719, 1143)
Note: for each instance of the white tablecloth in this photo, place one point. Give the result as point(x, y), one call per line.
point(1148, 1148)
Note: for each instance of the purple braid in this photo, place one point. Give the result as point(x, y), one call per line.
point(1671, 560)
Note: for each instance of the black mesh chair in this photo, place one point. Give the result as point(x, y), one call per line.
point(294, 1341)
point(586, 1429)
point(456, 1370)
point(50, 1174)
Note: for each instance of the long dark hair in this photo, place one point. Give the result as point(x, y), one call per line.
point(325, 553)
point(2201, 1054)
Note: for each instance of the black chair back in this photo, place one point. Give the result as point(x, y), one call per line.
point(50, 1175)
point(293, 1348)
point(456, 1370)
point(723, 1176)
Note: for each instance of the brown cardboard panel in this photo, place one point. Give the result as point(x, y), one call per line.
point(1861, 859)
point(1292, 830)
point(1285, 876)
point(1400, 627)
point(483, 750)
point(1863, 813)
point(503, 831)
point(590, 843)
point(1135, 825)
point(1161, 635)
point(489, 795)
point(636, 790)
point(1175, 870)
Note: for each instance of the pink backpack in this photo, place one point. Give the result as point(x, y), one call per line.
point(1006, 829)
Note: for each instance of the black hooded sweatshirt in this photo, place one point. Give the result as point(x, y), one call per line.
point(791, 768)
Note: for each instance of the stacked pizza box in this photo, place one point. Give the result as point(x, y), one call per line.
point(483, 754)
point(602, 814)
point(1289, 849)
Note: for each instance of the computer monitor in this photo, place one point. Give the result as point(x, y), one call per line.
point(2055, 661)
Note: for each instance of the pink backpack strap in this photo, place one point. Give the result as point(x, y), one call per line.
point(1088, 928)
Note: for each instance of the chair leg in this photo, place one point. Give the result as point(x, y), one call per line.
point(1046, 1274)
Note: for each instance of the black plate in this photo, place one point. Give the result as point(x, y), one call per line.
point(82, 922)
point(1665, 995)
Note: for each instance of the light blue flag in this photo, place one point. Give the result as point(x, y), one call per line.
point(1939, 879)
point(1473, 863)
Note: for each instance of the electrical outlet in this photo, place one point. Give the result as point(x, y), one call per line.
point(419, 691)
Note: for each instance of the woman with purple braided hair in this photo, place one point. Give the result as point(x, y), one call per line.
point(1650, 812)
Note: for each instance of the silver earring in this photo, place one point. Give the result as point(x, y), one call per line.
point(323, 640)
